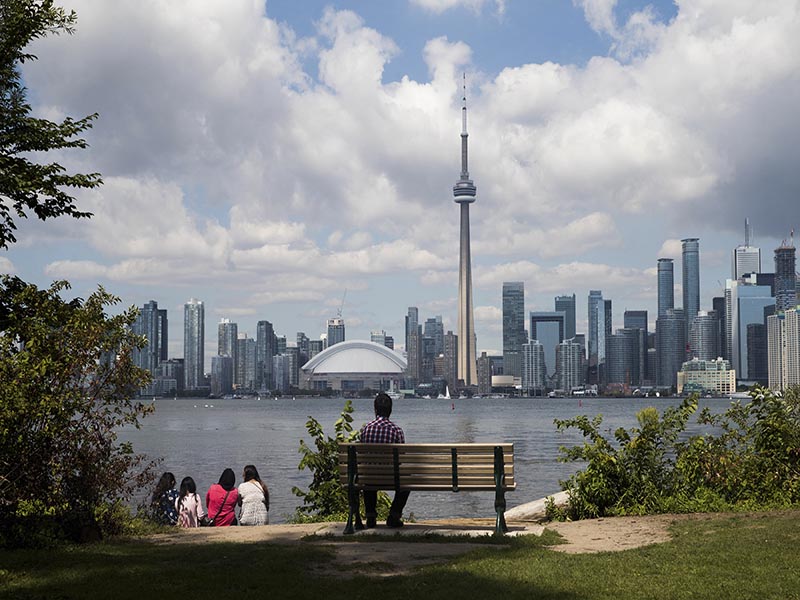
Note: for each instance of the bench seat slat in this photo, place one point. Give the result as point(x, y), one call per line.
point(445, 459)
point(442, 488)
point(388, 481)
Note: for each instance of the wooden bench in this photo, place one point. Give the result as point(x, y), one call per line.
point(426, 467)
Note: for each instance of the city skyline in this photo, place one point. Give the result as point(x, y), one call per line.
point(280, 157)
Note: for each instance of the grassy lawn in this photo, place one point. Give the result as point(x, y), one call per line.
point(720, 558)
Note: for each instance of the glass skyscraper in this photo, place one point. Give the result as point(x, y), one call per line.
point(670, 346)
point(691, 279)
point(335, 331)
point(513, 327)
point(637, 319)
point(597, 335)
point(704, 336)
point(152, 324)
point(666, 286)
point(785, 279)
point(566, 304)
point(193, 344)
point(548, 329)
point(227, 334)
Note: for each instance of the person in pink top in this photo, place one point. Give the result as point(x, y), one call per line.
point(221, 500)
point(188, 505)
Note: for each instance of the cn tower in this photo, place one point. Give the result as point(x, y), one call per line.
point(464, 194)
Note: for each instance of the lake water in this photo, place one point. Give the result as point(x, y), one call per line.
point(201, 437)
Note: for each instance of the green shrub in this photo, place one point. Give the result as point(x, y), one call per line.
point(67, 383)
point(750, 461)
point(326, 498)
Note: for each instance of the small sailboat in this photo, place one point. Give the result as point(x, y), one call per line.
point(446, 395)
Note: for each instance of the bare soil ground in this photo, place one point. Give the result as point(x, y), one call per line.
point(387, 558)
point(612, 534)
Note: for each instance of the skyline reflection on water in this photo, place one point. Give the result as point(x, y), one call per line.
point(200, 437)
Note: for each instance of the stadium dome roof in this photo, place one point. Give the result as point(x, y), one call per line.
point(356, 356)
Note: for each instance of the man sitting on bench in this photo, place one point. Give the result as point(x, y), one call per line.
point(383, 431)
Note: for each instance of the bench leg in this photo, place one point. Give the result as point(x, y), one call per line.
point(500, 527)
point(354, 522)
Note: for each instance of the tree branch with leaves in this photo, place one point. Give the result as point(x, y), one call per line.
point(28, 186)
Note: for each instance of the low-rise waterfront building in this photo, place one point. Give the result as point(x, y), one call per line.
point(707, 377)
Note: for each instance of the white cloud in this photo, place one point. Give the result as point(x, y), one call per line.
point(75, 269)
point(671, 249)
point(6, 266)
point(600, 15)
point(476, 6)
point(488, 313)
point(237, 156)
point(561, 277)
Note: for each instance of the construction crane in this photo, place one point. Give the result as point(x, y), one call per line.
point(341, 306)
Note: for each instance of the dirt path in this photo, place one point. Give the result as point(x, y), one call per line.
point(396, 557)
point(612, 534)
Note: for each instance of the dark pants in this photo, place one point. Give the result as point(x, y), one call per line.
point(396, 510)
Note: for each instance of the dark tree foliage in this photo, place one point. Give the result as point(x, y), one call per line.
point(25, 184)
point(67, 384)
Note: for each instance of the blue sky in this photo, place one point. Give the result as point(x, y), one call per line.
point(264, 158)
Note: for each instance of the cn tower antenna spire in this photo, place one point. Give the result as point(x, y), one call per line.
point(464, 134)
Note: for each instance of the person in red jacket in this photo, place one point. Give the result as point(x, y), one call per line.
point(221, 500)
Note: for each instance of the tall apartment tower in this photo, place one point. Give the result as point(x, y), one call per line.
point(569, 364)
point(597, 336)
point(704, 336)
point(746, 258)
point(227, 334)
point(666, 286)
point(335, 331)
point(194, 317)
point(464, 193)
point(746, 302)
point(451, 359)
point(533, 369)
point(691, 279)
point(151, 323)
point(265, 350)
point(513, 327)
point(566, 304)
point(785, 278)
point(412, 321)
point(670, 346)
point(434, 329)
point(637, 319)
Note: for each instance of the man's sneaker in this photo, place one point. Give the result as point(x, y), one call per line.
point(394, 522)
point(371, 522)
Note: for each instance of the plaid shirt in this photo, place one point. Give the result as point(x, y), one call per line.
point(382, 431)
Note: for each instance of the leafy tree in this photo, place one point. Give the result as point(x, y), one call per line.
point(67, 380)
point(26, 185)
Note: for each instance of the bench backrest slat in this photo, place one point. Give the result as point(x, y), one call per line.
point(428, 466)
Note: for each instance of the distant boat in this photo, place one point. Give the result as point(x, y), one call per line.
point(446, 395)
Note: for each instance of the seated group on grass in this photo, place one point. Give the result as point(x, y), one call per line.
point(184, 507)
